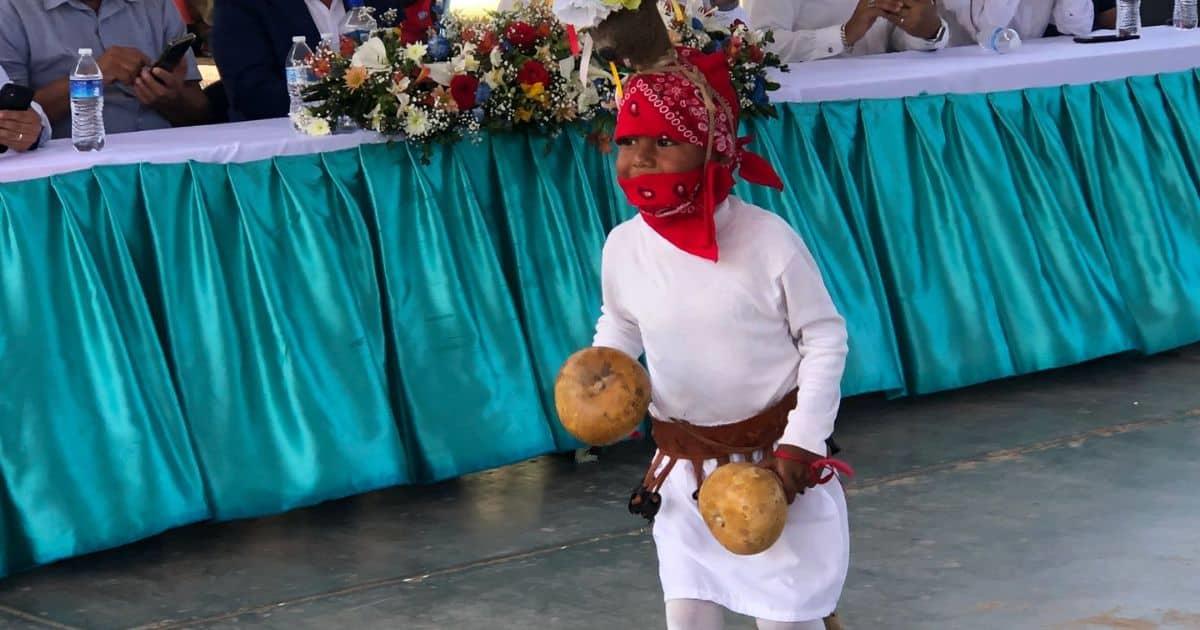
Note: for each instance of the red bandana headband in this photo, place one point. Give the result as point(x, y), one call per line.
point(691, 102)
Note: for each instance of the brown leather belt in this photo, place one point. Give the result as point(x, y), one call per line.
point(681, 440)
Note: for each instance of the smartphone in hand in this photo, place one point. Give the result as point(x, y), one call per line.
point(174, 52)
point(15, 98)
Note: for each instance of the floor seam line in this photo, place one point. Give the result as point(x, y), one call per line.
point(30, 617)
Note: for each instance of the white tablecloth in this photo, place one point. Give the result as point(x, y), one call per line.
point(222, 144)
point(1039, 63)
point(968, 69)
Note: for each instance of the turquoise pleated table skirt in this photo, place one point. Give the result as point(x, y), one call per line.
point(194, 341)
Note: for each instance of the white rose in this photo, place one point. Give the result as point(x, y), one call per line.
point(581, 13)
point(441, 72)
point(497, 57)
point(415, 52)
point(588, 99)
point(567, 67)
point(372, 55)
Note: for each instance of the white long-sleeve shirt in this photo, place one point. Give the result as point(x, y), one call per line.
point(726, 340)
point(1029, 18)
point(45, 137)
point(812, 29)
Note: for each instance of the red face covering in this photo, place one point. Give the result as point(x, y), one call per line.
point(693, 103)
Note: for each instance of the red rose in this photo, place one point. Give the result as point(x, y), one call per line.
point(521, 34)
point(418, 20)
point(487, 43)
point(533, 72)
point(756, 54)
point(462, 90)
point(347, 46)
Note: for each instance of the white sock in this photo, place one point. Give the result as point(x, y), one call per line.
point(694, 614)
point(816, 624)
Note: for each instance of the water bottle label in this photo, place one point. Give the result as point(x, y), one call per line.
point(297, 75)
point(87, 88)
point(995, 42)
point(358, 36)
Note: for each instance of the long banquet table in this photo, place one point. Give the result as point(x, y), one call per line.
point(232, 321)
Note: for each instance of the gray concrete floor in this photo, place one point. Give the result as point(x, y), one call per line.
point(1067, 500)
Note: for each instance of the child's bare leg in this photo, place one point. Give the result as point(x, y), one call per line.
point(694, 614)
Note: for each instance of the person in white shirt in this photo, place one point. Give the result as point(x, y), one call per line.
point(744, 346)
point(23, 130)
point(727, 12)
point(806, 30)
point(972, 19)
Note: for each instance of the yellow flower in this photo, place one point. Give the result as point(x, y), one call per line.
point(524, 115)
point(355, 77)
point(534, 91)
point(632, 5)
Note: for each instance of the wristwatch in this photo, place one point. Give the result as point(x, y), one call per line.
point(941, 32)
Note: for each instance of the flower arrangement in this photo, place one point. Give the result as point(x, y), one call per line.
point(747, 50)
point(510, 70)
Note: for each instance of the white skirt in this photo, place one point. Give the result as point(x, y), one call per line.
point(800, 578)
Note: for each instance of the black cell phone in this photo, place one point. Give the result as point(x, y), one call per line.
point(1103, 39)
point(174, 52)
point(16, 98)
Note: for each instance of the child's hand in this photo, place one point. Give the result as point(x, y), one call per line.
point(794, 466)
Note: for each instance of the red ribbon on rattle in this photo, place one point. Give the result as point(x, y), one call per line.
point(835, 466)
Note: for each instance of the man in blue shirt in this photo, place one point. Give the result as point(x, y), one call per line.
point(38, 44)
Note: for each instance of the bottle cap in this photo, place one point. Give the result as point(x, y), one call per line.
point(298, 39)
point(85, 51)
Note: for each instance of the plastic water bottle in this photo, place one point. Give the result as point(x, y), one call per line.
point(358, 24)
point(999, 40)
point(87, 103)
point(299, 74)
point(1185, 14)
point(1129, 18)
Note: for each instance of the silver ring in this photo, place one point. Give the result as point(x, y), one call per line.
point(20, 137)
point(902, 20)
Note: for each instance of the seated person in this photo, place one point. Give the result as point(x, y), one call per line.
point(251, 40)
point(38, 44)
point(971, 19)
point(727, 12)
point(1154, 13)
point(815, 29)
point(22, 130)
point(1106, 14)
